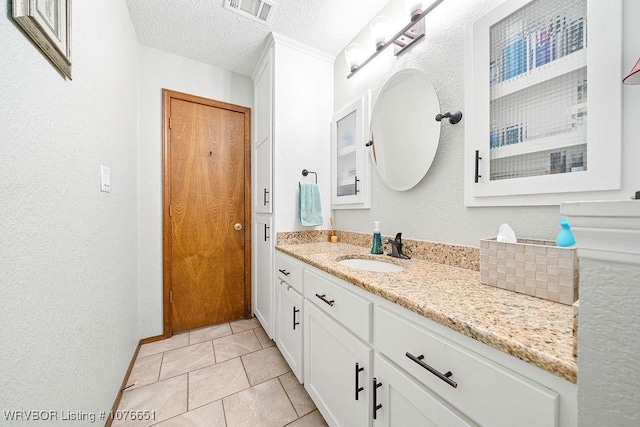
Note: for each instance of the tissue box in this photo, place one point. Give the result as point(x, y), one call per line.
point(534, 267)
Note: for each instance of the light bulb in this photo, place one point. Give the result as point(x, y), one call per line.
point(353, 56)
point(413, 7)
point(380, 31)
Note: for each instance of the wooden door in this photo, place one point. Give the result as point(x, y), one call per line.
point(206, 196)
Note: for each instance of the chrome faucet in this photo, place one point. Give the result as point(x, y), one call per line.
point(396, 247)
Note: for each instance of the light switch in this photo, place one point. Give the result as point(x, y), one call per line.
point(105, 179)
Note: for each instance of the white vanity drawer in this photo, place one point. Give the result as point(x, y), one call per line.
point(486, 392)
point(289, 271)
point(349, 309)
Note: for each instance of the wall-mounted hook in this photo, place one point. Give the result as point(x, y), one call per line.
point(454, 117)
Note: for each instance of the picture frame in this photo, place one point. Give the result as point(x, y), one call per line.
point(48, 24)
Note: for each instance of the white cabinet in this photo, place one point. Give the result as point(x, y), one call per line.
point(477, 387)
point(350, 166)
point(262, 152)
point(289, 326)
point(536, 70)
point(351, 310)
point(293, 102)
point(337, 370)
point(425, 374)
point(401, 401)
point(262, 292)
point(289, 312)
point(263, 178)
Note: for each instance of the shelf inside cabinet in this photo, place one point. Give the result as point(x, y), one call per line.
point(559, 140)
point(553, 69)
point(347, 150)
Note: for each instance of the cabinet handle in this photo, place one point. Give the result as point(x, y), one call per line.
point(266, 232)
point(444, 377)
point(478, 158)
point(264, 197)
point(358, 388)
point(356, 181)
point(376, 405)
point(322, 297)
point(294, 317)
point(283, 271)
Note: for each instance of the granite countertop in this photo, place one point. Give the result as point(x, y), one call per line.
point(537, 331)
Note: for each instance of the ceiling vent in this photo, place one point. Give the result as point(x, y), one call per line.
point(258, 10)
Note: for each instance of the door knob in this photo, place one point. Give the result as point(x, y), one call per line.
point(238, 226)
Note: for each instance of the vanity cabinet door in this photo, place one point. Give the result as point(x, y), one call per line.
point(404, 402)
point(289, 326)
point(337, 371)
point(263, 283)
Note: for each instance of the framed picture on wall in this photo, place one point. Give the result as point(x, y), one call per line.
point(48, 23)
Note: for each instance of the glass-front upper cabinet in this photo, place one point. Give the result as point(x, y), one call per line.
point(350, 168)
point(543, 102)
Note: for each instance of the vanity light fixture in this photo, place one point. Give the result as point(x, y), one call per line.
point(380, 31)
point(406, 37)
point(634, 76)
point(353, 56)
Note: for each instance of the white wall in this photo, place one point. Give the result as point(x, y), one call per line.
point(608, 236)
point(68, 253)
point(434, 209)
point(160, 70)
point(302, 126)
point(609, 344)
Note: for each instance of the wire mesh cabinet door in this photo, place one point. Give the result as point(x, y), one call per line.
point(543, 83)
point(350, 167)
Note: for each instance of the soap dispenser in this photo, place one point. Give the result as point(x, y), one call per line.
point(565, 236)
point(376, 244)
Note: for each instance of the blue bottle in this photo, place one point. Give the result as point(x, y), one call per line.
point(376, 244)
point(565, 236)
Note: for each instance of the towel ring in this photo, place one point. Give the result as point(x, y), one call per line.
point(306, 172)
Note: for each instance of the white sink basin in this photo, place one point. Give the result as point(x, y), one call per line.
point(371, 265)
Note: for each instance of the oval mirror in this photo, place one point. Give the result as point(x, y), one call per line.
point(404, 132)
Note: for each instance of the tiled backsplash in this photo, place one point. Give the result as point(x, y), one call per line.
point(534, 267)
point(455, 255)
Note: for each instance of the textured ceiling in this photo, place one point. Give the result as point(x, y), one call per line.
point(205, 31)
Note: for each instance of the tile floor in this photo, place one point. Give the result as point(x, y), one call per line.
point(229, 374)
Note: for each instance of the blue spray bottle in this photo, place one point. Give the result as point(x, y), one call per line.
point(565, 236)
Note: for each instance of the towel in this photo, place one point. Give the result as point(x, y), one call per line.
point(309, 209)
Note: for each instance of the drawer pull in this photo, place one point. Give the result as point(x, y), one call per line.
point(358, 388)
point(322, 297)
point(285, 272)
point(294, 317)
point(443, 377)
point(376, 405)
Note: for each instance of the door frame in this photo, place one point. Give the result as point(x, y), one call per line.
point(167, 95)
